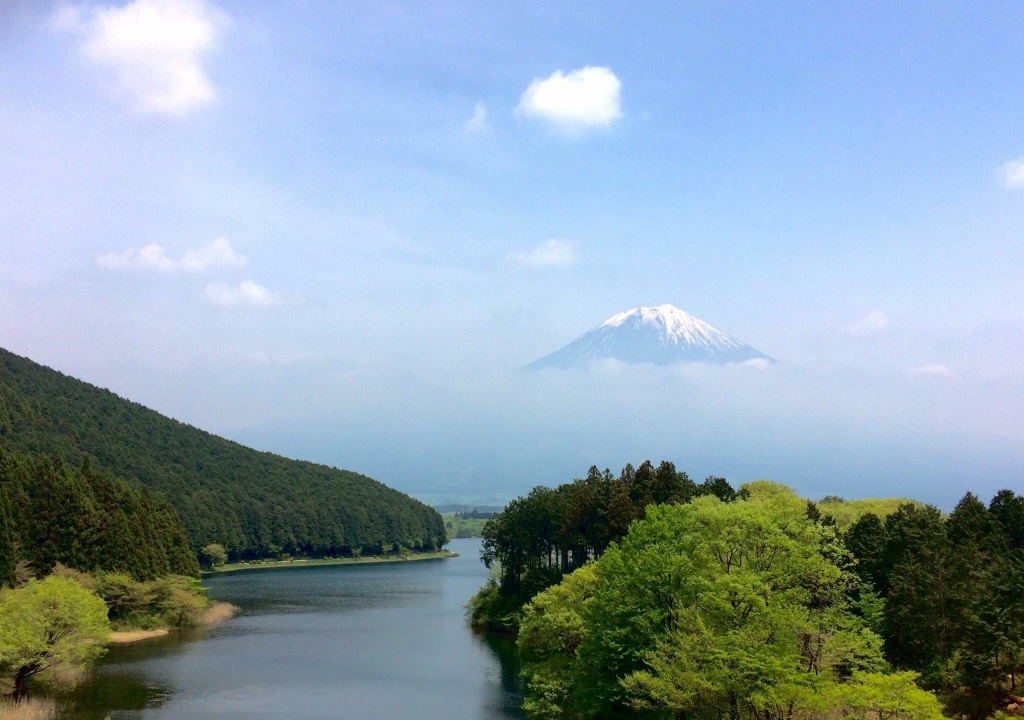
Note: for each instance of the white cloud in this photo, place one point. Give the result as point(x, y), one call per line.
point(585, 98)
point(1013, 173)
point(247, 293)
point(934, 369)
point(218, 254)
point(552, 253)
point(154, 47)
point(478, 124)
point(875, 321)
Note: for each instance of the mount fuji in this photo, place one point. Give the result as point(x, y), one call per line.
point(661, 335)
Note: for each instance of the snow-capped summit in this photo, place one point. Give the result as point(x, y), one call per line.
point(661, 335)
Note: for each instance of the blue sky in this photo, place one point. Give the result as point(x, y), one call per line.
point(337, 231)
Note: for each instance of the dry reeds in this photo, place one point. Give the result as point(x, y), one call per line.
point(29, 709)
point(219, 613)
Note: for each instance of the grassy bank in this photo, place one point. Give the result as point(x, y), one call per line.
point(315, 562)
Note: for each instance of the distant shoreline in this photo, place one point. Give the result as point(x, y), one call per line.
point(316, 562)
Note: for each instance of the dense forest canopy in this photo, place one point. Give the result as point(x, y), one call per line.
point(539, 538)
point(84, 519)
point(649, 595)
point(255, 504)
point(711, 610)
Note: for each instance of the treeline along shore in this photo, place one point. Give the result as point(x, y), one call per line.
point(647, 595)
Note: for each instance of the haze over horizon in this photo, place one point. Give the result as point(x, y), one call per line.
point(338, 233)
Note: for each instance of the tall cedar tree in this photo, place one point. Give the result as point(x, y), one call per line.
point(86, 520)
point(954, 596)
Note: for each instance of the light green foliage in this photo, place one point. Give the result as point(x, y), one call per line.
point(874, 696)
point(848, 512)
point(552, 628)
point(756, 489)
point(710, 610)
point(213, 555)
point(47, 626)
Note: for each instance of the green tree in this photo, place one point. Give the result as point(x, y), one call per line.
point(553, 628)
point(1007, 510)
point(49, 625)
point(759, 621)
point(874, 696)
point(706, 610)
point(8, 555)
point(866, 541)
point(213, 555)
point(928, 594)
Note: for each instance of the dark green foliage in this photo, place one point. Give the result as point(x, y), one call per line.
point(475, 514)
point(81, 518)
point(253, 503)
point(539, 538)
point(1007, 511)
point(8, 558)
point(954, 595)
point(866, 541)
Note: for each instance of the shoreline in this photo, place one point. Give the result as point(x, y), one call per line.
point(123, 637)
point(318, 562)
point(216, 613)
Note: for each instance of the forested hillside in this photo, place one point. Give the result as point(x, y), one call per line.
point(255, 504)
point(55, 513)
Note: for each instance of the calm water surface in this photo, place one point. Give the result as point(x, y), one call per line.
point(371, 641)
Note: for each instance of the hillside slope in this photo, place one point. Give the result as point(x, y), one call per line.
point(256, 504)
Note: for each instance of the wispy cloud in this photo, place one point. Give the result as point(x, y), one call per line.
point(875, 321)
point(218, 254)
point(155, 49)
point(934, 369)
point(580, 100)
point(478, 123)
point(247, 293)
point(1012, 173)
point(552, 253)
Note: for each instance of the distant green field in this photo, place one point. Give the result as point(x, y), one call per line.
point(458, 527)
point(848, 512)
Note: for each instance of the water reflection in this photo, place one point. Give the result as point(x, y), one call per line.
point(509, 691)
point(384, 641)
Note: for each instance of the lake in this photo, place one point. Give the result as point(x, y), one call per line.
point(357, 641)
